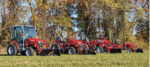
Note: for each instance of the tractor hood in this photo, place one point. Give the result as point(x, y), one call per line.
point(75, 40)
point(35, 39)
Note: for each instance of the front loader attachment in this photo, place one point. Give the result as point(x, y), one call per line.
point(89, 52)
point(50, 52)
point(115, 51)
point(139, 50)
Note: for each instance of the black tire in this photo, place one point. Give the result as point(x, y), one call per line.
point(55, 46)
point(29, 51)
point(71, 50)
point(99, 49)
point(129, 50)
point(12, 50)
point(23, 52)
point(86, 45)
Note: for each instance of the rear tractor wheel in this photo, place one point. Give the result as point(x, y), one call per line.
point(55, 46)
point(12, 50)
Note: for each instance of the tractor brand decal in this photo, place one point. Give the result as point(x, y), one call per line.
point(50, 53)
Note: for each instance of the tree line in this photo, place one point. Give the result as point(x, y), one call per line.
point(99, 17)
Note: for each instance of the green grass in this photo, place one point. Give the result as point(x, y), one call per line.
point(100, 60)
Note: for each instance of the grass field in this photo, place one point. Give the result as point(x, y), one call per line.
point(100, 60)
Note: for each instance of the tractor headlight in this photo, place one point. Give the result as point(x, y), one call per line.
point(40, 43)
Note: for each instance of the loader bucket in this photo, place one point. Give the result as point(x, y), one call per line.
point(50, 52)
point(139, 50)
point(89, 52)
point(115, 51)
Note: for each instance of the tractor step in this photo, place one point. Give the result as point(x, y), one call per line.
point(50, 52)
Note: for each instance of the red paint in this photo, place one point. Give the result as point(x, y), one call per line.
point(15, 44)
point(129, 45)
point(71, 42)
point(102, 43)
point(33, 41)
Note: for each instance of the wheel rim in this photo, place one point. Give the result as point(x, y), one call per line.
point(11, 51)
point(71, 51)
point(28, 52)
point(99, 50)
point(129, 51)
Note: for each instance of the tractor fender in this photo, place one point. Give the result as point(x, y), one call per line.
point(100, 44)
point(58, 43)
point(87, 43)
point(15, 44)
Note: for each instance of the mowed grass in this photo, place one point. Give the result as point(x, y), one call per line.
point(100, 60)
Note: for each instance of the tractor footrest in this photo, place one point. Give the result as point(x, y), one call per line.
point(49, 52)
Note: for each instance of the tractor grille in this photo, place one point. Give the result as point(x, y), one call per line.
point(99, 41)
point(115, 47)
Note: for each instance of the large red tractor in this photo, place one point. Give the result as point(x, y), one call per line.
point(102, 45)
point(131, 48)
point(70, 46)
point(24, 40)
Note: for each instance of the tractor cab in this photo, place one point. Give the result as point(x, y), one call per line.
point(20, 33)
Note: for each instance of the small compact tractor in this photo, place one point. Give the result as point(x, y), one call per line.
point(131, 48)
point(102, 45)
point(70, 46)
point(24, 40)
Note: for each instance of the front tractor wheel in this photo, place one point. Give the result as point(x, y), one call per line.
point(12, 50)
point(29, 51)
point(99, 49)
point(129, 50)
point(86, 45)
point(71, 50)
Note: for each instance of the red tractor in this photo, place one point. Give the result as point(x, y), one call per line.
point(24, 40)
point(102, 45)
point(131, 48)
point(70, 46)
